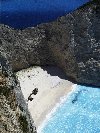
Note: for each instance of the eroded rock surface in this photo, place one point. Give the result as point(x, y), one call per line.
point(72, 43)
point(74, 40)
point(14, 115)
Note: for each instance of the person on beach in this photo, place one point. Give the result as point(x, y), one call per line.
point(33, 92)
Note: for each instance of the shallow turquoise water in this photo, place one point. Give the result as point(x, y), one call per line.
point(80, 113)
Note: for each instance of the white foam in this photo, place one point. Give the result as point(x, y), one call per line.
point(62, 100)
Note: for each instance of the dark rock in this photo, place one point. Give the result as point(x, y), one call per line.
point(75, 44)
point(15, 117)
point(72, 42)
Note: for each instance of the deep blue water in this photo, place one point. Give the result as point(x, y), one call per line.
point(80, 113)
point(25, 13)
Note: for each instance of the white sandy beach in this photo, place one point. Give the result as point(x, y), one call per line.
point(51, 87)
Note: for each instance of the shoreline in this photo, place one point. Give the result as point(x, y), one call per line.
point(58, 104)
point(56, 96)
point(51, 90)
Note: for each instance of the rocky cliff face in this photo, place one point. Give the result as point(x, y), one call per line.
point(14, 115)
point(25, 48)
point(72, 42)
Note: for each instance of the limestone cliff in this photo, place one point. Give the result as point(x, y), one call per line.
point(72, 42)
point(14, 115)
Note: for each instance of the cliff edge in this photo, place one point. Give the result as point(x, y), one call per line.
point(72, 42)
point(14, 115)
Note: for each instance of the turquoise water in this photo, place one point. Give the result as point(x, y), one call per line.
point(20, 14)
point(80, 113)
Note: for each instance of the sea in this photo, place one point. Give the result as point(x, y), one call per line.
point(21, 14)
point(79, 112)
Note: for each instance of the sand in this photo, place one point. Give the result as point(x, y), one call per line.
point(51, 84)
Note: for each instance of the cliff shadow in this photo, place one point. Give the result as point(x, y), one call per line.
point(55, 71)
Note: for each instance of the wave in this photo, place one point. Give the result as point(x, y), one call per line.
point(62, 101)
